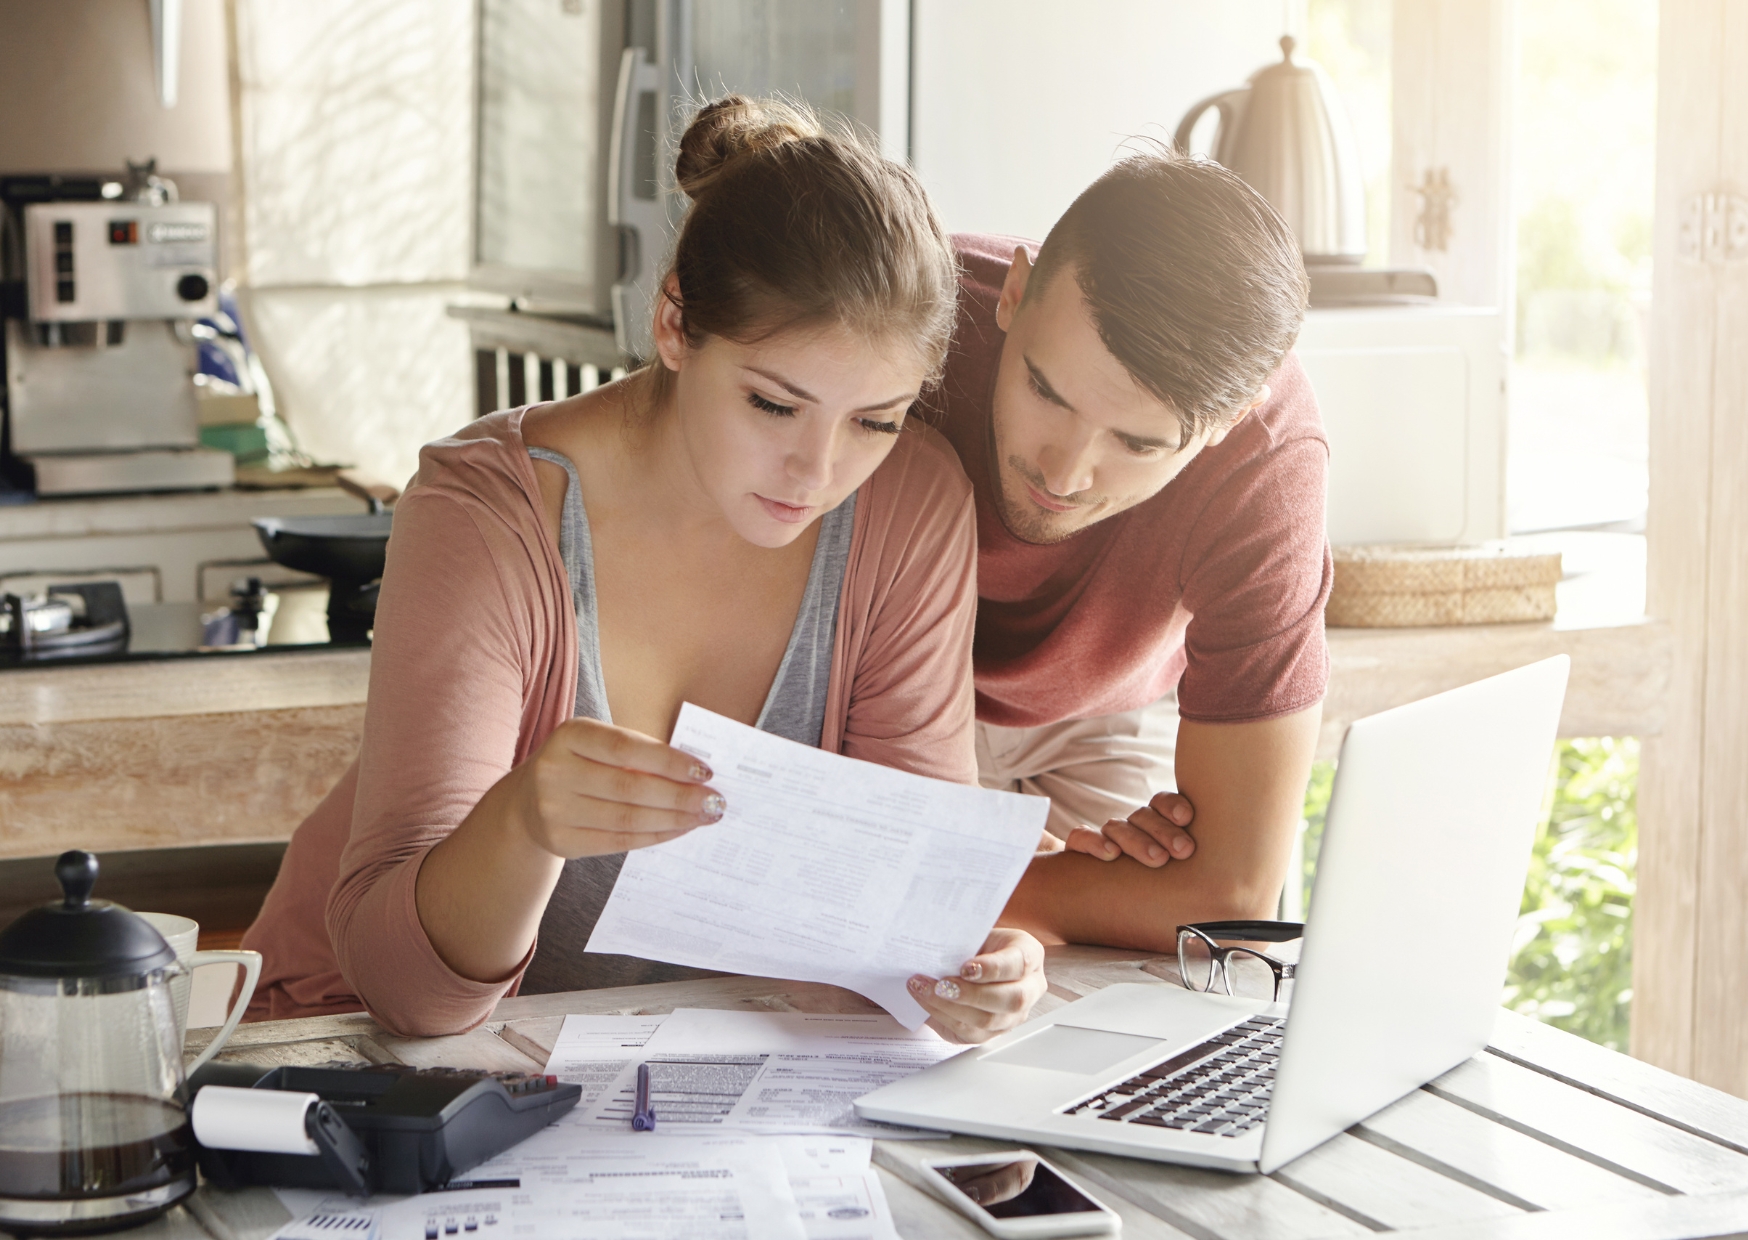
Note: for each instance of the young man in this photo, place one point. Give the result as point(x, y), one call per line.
point(1150, 471)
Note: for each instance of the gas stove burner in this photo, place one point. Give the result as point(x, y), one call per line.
point(64, 622)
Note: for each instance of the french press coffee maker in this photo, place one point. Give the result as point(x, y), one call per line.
point(94, 1135)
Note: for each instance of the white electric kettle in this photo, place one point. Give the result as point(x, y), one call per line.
point(1286, 134)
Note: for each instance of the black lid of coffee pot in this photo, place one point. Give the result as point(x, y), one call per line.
point(81, 937)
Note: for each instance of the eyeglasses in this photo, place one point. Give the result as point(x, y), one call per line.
point(1206, 966)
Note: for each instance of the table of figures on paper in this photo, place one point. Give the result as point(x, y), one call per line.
point(1541, 1135)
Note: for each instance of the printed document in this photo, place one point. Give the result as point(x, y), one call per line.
point(593, 1051)
point(603, 1186)
point(792, 1072)
point(823, 869)
point(629, 1187)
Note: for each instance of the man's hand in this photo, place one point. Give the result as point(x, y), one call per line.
point(1153, 834)
point(1247, 783)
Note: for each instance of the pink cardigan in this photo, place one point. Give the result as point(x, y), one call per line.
point(474, 664)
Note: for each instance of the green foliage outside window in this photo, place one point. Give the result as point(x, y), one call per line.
point(1571, 959)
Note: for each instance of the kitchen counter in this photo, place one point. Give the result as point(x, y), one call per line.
point(1620, 672)
point(239, 748)
point(217, 750)
point(250, 683)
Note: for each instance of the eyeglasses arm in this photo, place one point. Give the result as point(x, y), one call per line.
point(1253, 931)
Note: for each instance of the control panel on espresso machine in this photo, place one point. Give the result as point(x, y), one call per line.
point(99, 374)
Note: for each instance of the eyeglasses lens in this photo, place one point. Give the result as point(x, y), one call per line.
point(1249, 975)
point(1195, 959)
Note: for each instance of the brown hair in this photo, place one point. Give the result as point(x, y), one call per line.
point(1195, 283)
point(794, 224)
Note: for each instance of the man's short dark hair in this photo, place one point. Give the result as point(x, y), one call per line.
point(1196, 285)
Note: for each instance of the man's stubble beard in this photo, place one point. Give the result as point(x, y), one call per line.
point(1024, 519)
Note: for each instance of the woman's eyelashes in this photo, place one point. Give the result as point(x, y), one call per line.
point(770, 406)
point(788, 411)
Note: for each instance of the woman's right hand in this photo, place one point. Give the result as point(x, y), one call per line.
point(595, 788)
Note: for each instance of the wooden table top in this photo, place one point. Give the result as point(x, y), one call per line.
point(1541, 1135)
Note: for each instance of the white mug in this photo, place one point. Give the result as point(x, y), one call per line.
point(183, 934)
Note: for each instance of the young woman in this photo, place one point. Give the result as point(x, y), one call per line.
point(748, 523)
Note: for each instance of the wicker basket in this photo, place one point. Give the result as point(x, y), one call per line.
point(1408, 587)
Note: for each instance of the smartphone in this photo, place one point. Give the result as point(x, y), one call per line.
point(1017, 1194)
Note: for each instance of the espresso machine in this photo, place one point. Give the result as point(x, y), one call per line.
point(106, 284)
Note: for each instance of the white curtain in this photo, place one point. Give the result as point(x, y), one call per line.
point(354, 173)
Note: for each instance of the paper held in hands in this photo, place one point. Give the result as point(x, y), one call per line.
point(824, 869)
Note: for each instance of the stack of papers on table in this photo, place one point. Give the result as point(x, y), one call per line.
point(565, 1185)
point(756, 1136)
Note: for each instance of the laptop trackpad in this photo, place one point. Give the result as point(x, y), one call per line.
point(1065, 1048)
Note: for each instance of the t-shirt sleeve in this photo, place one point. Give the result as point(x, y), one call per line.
point(911, 702)
point(446, 704)
point(1257, 573)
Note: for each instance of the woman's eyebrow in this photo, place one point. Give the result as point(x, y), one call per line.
point(780, 381)
point(804, 394)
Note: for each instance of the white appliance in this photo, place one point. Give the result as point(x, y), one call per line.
point(1413, 400)
point(1397, 983)
point(576, 113)
point(99, 375)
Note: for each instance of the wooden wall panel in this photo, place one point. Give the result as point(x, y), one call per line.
point(1690, 1006)
point(1721, 1011)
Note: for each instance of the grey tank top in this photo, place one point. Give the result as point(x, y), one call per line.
point(794, 708)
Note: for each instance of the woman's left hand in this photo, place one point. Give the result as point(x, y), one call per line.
point(994, 991)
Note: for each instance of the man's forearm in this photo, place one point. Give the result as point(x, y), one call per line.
point(1073, 898)
point(1247, 782)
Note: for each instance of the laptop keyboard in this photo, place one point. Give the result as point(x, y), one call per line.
point(1221, 1086)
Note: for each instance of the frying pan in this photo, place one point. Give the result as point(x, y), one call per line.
point(348, 550)
point(340, 548)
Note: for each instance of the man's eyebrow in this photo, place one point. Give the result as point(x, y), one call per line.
point(1049, 393)
point(1146, 441)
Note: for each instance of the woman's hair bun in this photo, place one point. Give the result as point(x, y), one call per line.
point(732, 126)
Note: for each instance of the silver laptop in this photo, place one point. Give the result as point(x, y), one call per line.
point(1418, 882)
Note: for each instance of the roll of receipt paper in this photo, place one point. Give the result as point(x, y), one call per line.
point(267, 1121)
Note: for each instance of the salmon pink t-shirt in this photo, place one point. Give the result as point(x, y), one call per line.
point(1215, 586)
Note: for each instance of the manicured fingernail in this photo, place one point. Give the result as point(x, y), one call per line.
point(1111, 851)
point(972, 971)
point(714, 807)
point(701, 773)
point(947, 988)
point(973, 1191)
point(1155, 853)
point(920, 984)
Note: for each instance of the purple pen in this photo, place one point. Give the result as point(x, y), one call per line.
point(643, 1114)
